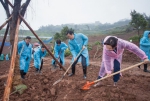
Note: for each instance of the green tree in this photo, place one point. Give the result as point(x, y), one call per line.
point(57, 36)
point(62, 35)
point(138, 21)
point(148, 20)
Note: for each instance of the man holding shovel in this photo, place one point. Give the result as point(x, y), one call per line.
point(77, 42)
point(59, 52)
point(24, 51)
point(38, 58)
point(113, 48)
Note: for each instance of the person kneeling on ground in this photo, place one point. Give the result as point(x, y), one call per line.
point(38, 58)
point(113, 48)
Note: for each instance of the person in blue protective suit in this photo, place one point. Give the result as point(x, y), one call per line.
point(59, 52)
point(38, 58)
point(145, 46)
point(24, 51)
point(7, 57)
point(77, 42)
point(2, 57)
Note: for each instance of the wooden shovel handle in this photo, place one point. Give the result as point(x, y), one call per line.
point(72, 62)
point(119, 72)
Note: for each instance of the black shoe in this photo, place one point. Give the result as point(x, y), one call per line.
point(37, 70)
point(84, 76)
point(22, 77)
point(146, 71)
point(54, 66)
point(71, 74)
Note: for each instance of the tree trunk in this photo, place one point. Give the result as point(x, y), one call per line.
point(13, 22)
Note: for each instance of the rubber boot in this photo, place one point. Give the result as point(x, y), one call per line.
point(21, 73)
point(145, 68)
point(24, 73)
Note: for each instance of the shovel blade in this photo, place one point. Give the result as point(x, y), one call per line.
point(57, 81)
point(87, 85)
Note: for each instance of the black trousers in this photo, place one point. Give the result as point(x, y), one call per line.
point(116, 77)
point(83, 61)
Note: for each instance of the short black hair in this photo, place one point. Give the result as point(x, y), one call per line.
point(58, 41)
point(42, 46)
point(112, 41)
point(70, 31)
point(28, 37)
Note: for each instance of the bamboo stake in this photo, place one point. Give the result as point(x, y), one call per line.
point(12, 65)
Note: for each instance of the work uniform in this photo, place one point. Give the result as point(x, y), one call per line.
point(59, 52)
point(38, 56)
point(25, 51)
point(145, 46)
point(75, 46)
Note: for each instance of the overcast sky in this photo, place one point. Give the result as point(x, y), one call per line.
point(57, 12)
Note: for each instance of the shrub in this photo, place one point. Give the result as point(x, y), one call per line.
point(67, 52)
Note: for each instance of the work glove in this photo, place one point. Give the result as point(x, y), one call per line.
point(83, 47)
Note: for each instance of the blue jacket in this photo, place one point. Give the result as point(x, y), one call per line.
point(24, 50)
point(59, 50)
point(38, 56)
point(145, 43)
point(76, 45)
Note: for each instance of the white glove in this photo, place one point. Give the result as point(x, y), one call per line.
point(83, 47)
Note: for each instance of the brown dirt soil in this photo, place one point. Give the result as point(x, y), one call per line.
point(134, 84)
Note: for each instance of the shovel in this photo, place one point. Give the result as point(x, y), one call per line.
point(88, 84)
point(19, 88)
point(67, 69)
point(41, 66)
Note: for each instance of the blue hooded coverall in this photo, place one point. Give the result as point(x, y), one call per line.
point(59, 52)
point(145, 43)
point(38, 55)
point(25, 52)
point(7, 57)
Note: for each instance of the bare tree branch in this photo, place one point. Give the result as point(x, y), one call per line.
point(24, 8)
point(9, 3)
point(5, 5)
